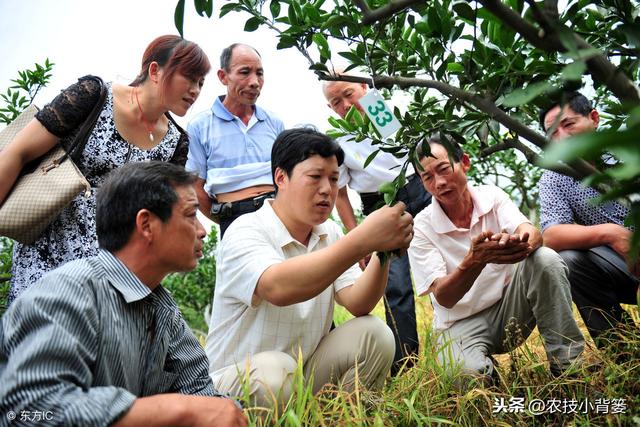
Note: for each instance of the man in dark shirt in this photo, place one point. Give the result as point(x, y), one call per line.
point(592, 239)
point(99, 341)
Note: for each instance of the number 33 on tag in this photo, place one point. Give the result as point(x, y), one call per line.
point(379, 113)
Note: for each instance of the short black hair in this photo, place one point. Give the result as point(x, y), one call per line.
point(296, 145)
point(577, 101)
point(227, 53)
point(130, 188)
point(453, 148)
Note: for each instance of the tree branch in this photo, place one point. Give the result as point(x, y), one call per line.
point(484, 105)
point(533, 158)
point(579, 169)
point(370, 16)
point(547, 38)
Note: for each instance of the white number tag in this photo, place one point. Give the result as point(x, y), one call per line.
point(379, 113)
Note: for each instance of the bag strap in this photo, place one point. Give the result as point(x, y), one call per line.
point(82, 136)
point(183, 137)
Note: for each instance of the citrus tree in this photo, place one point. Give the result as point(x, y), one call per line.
point(478, 72)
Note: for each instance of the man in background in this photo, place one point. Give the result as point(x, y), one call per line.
point(230, 144)
point(591, 238)
point(399, 299)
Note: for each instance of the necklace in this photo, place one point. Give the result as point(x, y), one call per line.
point(144, 120)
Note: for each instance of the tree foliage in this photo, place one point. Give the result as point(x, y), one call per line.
point(477, 73)
point(25, 88)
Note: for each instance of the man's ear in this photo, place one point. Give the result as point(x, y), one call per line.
point(222, 76)
point(280, 178)
point(145, 224)
point(594, 116)
point(465, 161)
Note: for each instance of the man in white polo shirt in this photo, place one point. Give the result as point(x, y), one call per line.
point(399, 302)
point(489, 279)
point(279, 272)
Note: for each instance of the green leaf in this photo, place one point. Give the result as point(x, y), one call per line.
point(628, 169)
point(454, 67)
point(252, 24)
point(386, 188)
point(587, 145)
point(352, 57)
point(583, 54)
point(433, 20)
point(229, 7)
point(389, 198)
point(332, 133)
point(312, 13)
point(634, 118)
point(574, 71)
point(333, 122)
point(632, 33)
point(323, 45)
point(319, 66)
point(464, 11)
point(274, 6)
point(294, 13)
point(178, 17)
point(422, 27)
point(401, 180)
point(335, 21)
point(522, 96)
point(286, 41)
point(199, 4)
point(208, 9)
point(371, 157)
point(349, 116)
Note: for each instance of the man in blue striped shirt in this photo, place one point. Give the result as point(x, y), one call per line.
point(99, 341)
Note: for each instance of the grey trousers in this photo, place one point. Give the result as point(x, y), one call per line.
point(360, 350)
point(539, 295)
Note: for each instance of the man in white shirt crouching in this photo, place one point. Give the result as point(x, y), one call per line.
point(489, 279)
point(280, 270)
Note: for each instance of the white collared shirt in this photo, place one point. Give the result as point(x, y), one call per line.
point(438, 247)
point(384, 168)
point(241, 323)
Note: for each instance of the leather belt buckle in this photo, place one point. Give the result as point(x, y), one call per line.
point(221, 210)
point(258, 201)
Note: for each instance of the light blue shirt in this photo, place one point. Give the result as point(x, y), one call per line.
point(228, 154)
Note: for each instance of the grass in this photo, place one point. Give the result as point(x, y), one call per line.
point(424, 395)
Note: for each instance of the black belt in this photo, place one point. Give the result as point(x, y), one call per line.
point(229, 209)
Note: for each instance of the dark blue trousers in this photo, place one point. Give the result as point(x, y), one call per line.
point(399, 302)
